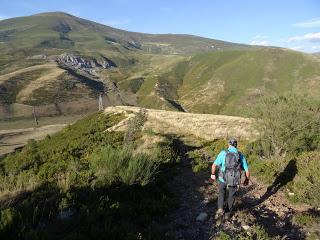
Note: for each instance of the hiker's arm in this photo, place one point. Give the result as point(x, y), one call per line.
point(213, 169)
point(245, 167)
point(247, 173)
point(216, 163)
point(213, 172)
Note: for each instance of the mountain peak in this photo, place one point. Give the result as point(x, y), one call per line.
point(54, 14)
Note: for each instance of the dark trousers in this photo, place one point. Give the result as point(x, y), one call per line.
point(230, 193)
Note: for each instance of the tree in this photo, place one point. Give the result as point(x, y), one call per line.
point(135, 124)
point(288, 123)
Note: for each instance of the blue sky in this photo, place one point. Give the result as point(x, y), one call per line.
point(287, 23)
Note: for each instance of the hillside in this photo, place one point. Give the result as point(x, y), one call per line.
point(85, 182)
point(230, 82)
point(60, 64)
point(202, 126)
point(53, 58)
point(57, 31)
point(190, 126)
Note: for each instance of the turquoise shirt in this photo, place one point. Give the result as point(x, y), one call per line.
point(221, 160)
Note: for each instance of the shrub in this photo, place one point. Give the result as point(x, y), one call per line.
point(114, 165)
point(9, 218)
point(306, 219)
point(130, 190)
point(135, 124)
point(63, 157)
point(289, 123)
point(303, 184)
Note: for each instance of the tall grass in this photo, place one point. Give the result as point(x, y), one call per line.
point(114, 165)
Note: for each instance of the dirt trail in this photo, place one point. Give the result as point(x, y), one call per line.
point(255, 205)
point(15, 138)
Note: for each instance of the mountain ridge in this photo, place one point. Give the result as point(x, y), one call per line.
point(167, 71)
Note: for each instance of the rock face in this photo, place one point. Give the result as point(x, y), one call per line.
point(87, 65)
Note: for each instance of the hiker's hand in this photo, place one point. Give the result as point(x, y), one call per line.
point(246, 182)
point(213, 177)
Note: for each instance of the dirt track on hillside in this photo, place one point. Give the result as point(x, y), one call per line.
point(15, 138)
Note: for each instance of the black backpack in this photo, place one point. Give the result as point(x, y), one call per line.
point(232, 173)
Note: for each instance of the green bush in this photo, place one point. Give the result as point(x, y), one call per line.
point(304, 183)
point(64, 153)
point(9, 218)
point(135, 125)
point(288, 124)
point(306, 219)
point(112, 165)
point(85, 171)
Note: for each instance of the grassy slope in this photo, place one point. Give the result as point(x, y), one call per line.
point(215, 82)
point(77, 170)
point(136, 54)
point(221, 82)
point(54, 31)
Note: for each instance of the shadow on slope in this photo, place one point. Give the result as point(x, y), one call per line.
point(286, 176)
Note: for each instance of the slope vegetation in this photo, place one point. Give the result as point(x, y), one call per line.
point(228, 82)
point(202, 126)
point(53, 59)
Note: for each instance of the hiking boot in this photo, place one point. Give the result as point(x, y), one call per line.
point(219, 213)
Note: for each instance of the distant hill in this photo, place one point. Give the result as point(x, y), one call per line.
point(56, 32)
point(229, 82)
point(61, 64)
point(32, 73)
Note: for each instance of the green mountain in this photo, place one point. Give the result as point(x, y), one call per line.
point(61, 64)
point(56, 32)
point(227, 82)
point(51, 59)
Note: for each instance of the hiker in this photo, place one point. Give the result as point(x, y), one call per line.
point(230, 163)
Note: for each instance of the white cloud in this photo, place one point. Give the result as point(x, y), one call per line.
point(297, 48)
point(315, 47)
point(2, 17)
point(260, 37)
point(260, 42)
point(311, 37)
point(312, 23)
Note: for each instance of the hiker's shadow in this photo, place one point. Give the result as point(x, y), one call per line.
point(286, 176)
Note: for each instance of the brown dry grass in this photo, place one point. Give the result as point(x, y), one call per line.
point(15, 138)
point(52, 73)
point(203, 126)
point(28, 69)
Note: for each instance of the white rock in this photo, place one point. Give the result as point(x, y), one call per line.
point(245, 227)
point(291, 194)
point(202, 217)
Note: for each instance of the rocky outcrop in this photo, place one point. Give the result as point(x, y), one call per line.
point(90, 66)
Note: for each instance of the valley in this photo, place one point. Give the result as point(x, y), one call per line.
point(111, 134)
point(67, 61)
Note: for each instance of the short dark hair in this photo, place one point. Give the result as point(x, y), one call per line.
point(233, 142)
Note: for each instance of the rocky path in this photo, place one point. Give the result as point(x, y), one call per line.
point(257, 208)
point(194, 197)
